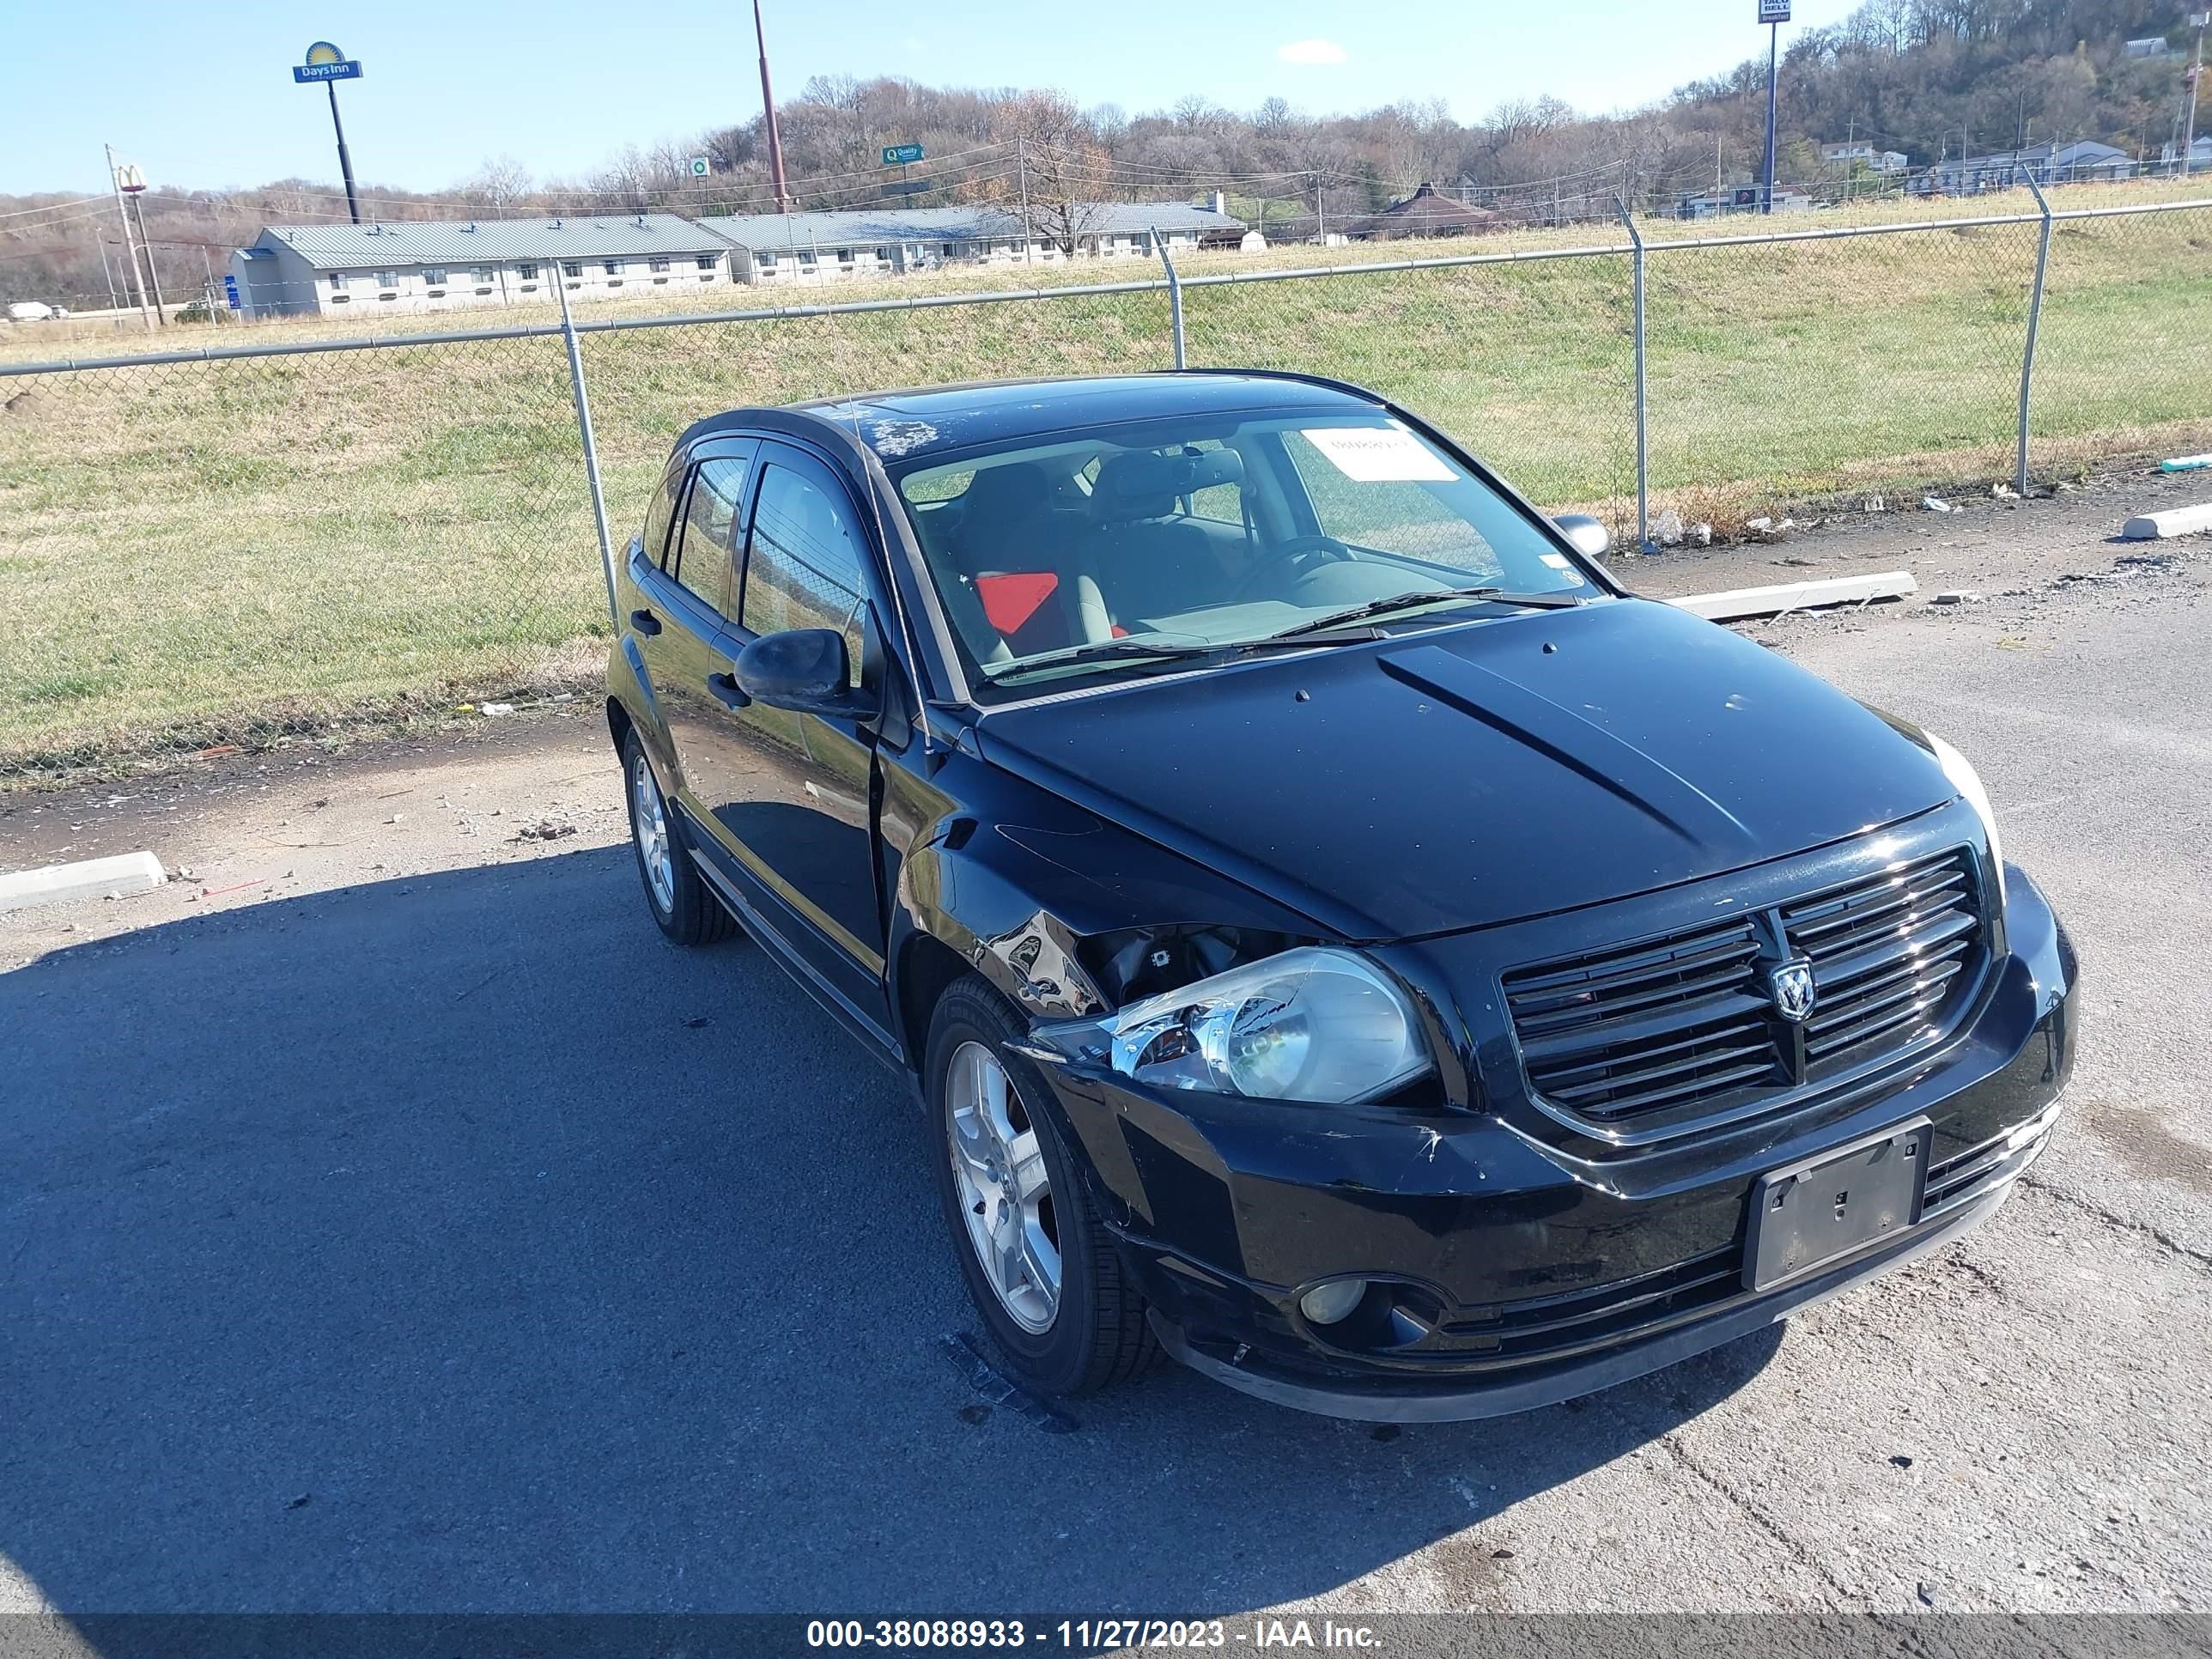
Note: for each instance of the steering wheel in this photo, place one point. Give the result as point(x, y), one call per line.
point(1290, 552)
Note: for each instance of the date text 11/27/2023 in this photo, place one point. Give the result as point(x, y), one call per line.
point(1087, 1635)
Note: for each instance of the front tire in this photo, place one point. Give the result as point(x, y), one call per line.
point(1039, 1265)
point(682, 903)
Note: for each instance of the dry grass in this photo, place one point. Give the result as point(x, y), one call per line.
point(211, 551)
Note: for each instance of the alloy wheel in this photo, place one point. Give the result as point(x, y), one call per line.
point(649, 821)
point(1006, 1192)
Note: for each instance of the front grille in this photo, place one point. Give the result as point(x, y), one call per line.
point(1620, 1033)
point(1685, 1025)
point(1886, 952)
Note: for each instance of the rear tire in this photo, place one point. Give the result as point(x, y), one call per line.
point(1019, 1211)
point(683, 905)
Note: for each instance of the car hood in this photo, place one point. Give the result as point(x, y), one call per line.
point(1450, 779)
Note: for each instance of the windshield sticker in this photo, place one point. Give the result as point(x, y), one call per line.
point(1369, 454)
point(1559, 561)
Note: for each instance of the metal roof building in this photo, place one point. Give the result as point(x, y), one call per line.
point(440, 265)
point(332, 270)
point(818, 247)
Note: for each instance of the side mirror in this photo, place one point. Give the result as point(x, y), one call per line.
point(1590, 537)
point(805, 670)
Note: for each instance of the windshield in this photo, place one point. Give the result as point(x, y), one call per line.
point(1069, 556)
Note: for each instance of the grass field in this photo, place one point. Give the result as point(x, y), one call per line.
point(232, 550)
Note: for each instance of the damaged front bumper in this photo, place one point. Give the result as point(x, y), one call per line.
point(1504, 1272)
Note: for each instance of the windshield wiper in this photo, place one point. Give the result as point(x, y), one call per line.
point(1099, 651)
point(1409, 601)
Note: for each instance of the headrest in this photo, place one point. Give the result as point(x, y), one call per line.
point(1018, 489)
point(1144, 485)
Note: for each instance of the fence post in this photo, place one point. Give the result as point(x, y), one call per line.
point(1174, 293)
point(1643, 452)
point(2034, 322)
point(591, 449)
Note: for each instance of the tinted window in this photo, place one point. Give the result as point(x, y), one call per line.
point(701, 559)
point(804, 568)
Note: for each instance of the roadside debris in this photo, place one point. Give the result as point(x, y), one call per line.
point(2004, 492)
point(1956, 597)
point(2186, 463)
point(493, 710)
point(1936, 504)
point(544, 829)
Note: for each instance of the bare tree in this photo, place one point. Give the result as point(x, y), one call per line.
point(500, 186)
point(1069, 171)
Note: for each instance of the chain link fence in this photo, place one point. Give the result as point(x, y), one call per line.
point(263, 546)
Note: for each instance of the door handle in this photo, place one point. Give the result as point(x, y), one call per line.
point(645, 622)
point(728, 692)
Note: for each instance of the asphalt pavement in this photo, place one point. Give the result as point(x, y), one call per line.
point(410, 1228)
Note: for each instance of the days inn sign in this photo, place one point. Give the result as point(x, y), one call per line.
point(326, 63)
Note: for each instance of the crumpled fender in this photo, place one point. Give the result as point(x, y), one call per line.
point(1015, 880)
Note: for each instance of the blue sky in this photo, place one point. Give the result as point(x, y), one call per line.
point(203, 96)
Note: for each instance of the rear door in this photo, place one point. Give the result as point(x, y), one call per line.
point(687, 599)
point(790, 795)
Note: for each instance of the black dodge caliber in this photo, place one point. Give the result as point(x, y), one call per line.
point(1339, 935)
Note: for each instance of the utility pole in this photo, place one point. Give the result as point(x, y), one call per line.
point(1321, 212)
point(1022, 168)
point(130, 248)
point(107, 275)
point(768, 104)
point(153, 272)
point(2202, 19)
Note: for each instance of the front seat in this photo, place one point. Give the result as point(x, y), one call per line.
point(1149, 564)
point(1017, 554)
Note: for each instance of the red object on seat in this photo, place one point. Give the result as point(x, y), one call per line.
point(1010, 600)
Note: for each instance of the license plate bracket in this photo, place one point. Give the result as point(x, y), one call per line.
point(1807, 1215)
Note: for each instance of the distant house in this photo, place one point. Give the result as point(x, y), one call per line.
point(810, 248)
point(2154, 47)
point(1876, 160)
point(1426, 212)
point(1742, 198)
point(2200, 153)
point(2079, 162)
point(293, 270)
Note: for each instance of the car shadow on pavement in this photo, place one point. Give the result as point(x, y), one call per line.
point(452, 1242)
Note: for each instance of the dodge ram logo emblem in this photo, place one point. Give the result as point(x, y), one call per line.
point(1791, 986)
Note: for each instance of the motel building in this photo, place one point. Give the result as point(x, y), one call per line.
point(813, 249)
point(345, 270)
point(342, 270)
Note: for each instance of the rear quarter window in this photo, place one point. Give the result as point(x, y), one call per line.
point(660, 514)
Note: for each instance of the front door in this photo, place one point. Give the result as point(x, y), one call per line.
point(790, 793)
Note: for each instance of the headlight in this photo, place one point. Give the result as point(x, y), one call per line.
point(1311, 1024)
point(1968, 783)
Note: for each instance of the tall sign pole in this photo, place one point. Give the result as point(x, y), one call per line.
point(1774, 14)
point(2202, 19)
point(768, 105)
point(327, 64)
point(115, 175)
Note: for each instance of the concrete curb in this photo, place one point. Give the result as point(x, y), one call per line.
point(2174, 521)
point(1738, 603)
point(56, 884)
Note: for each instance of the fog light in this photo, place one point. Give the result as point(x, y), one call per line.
point(1325, 1305)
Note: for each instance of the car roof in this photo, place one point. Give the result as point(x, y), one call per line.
point(903, 426)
